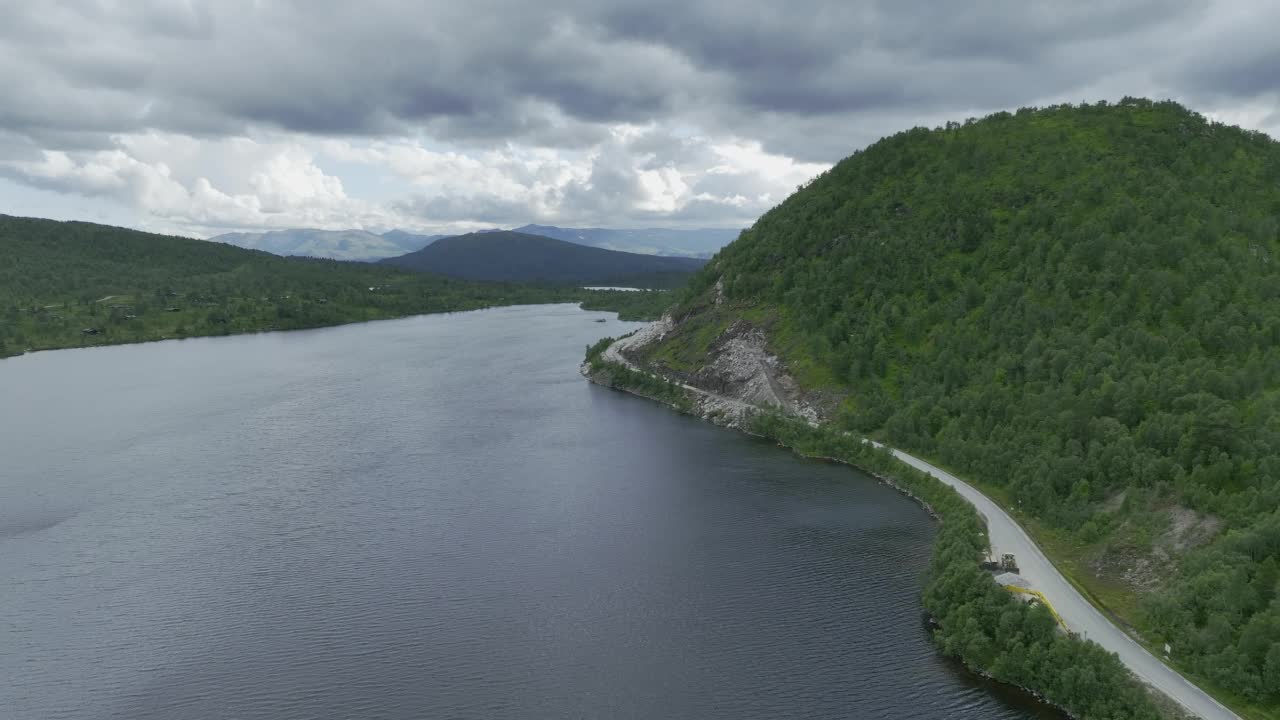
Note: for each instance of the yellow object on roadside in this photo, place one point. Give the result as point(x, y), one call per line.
point(1039, 596)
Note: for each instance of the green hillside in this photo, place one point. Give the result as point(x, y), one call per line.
point(521, 257)
point(73, 284)
point(1079, 308)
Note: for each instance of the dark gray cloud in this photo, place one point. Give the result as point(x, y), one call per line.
point(1243, 77)
point(1245, 64)
point(495, 70)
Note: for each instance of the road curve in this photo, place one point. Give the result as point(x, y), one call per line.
point(1007, 536)
point(1078, 613)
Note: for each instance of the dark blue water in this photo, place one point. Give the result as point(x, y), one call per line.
point(437, 518)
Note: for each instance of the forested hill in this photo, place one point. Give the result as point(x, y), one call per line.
point(701, 242)
point(1079, 307)
point(68, 284)
point(507, 255)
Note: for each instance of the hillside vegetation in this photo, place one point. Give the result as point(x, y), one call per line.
point(702, 242)
point(1079, 308)
point(515, 256)
point(72, 284)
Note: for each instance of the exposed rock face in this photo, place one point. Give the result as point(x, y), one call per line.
point(1143, 567)
point(744, 369)
point(651, 333)
point(743, 376)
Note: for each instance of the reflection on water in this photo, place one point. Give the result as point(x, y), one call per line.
point(437, 517)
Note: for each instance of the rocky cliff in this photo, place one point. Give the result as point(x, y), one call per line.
point(740, 374)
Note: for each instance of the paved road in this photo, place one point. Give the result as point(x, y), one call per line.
point(1006, 535)
point(1077, 612)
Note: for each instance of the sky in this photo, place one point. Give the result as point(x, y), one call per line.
point(199, 117)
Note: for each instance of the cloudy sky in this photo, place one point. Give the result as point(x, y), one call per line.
point(198, 117)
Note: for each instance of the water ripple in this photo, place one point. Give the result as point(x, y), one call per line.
point(382, 521)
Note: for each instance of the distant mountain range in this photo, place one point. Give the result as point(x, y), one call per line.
point(335, 244)
point(515, 256)
point(362, 245)
point(702, 242)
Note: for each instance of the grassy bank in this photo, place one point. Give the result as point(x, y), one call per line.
point(1119, 602)
point(616, 375)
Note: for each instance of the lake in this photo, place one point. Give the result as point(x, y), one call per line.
point(437, 517)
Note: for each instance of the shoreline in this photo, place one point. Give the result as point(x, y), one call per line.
point(271, 330)
point(877, 476)
point(1169, 702)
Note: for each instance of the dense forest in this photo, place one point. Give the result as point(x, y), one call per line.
point(72, 284)
point(1078, 307)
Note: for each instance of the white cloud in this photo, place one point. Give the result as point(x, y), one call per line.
point(639, 176)
point(255, 184)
